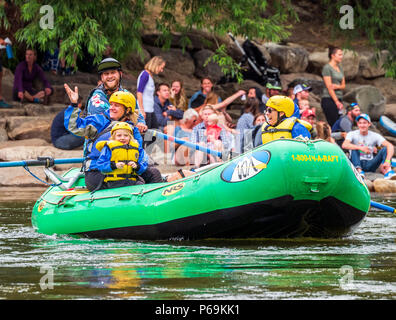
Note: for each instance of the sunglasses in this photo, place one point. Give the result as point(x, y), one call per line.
point(269, 110)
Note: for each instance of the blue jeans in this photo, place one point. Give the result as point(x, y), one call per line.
point(68, 142)
point(368, 165)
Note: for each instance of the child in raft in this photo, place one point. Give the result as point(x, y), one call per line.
point(121, 158)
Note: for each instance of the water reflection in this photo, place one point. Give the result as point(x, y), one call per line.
point(360, 267)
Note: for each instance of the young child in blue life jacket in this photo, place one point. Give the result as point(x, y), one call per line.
point(120, 158)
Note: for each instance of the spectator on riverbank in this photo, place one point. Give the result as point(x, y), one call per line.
point(61, 138)
point(146, 89)
point(345, 123)
point(178, 97)
point(198, 136)
point(25, 74)
point(365, 154)
point(199, 99)
point(334, 80)
point(164, 111)
point(245, 122)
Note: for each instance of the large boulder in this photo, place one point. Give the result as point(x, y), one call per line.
point(288, 59)
point(211, 70)
point(369, 67)
point(316, 61)
point(176, 60)
point(20, 128)
point(136, 62)
point(350, 64)
point(370, 100)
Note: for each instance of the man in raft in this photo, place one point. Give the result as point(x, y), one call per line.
point(280, 123)
point(110, 73)
point(97, 127)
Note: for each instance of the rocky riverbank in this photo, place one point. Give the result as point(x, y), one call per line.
point(25, 129)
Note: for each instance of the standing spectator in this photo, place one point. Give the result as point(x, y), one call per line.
point(61, 138)
point(334, 80)
point(199, 98)
point(146, 89)
point(3, 104)
point(25, 73)
point(178, 96)
point(163, 109)
point(345, 123)
point(364, 144)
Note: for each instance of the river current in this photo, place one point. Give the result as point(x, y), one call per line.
point(36, 266)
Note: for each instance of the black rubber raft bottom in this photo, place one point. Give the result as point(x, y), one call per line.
point(277, 218)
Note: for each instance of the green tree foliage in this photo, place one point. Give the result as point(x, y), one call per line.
point(118, 23)
point(373, 19)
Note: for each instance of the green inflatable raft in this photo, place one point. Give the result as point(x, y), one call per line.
point(283, 189)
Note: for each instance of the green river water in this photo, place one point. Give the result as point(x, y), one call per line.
point(35, 266)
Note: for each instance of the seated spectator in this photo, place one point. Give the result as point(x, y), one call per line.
point(164, 111)
point(177, 96)
point(62, 138)
point(212, 129)
point(301, 92)
point(255, 92)
point(345, 123)
point(198, 136)
point(323, 131)
point(273, 88)
point(25, 73)
point(303, 104)
point(245, 122)
point(365, 153)
point(309, 115)
point(183, 131)
point(259, 119)
point(197, 101)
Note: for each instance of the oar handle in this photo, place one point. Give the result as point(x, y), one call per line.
point(382, 207)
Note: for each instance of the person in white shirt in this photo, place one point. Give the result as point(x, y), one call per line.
point(365, 152)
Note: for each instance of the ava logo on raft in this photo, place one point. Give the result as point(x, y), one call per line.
point(246, 167)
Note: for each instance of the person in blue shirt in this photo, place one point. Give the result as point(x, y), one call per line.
point(199, 97)
point(280, 123)
point(163, 109)
point(97, 128)
point(110, 73)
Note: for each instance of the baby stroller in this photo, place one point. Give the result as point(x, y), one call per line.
point(258, 70)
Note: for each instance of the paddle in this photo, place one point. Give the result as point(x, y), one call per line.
point(186, 143)
point(41, 161)
point(382, 207)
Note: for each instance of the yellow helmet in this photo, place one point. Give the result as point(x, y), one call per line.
point(281, 103)
point(125, 98)
point(121, 125)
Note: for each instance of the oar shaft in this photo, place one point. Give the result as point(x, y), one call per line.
point(187, 143)
point(40, 162)
point(382, 207)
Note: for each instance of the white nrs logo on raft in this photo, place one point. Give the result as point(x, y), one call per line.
point(246, 167)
